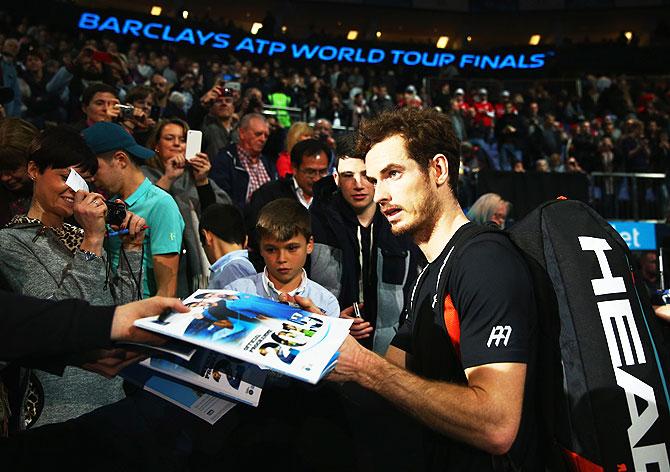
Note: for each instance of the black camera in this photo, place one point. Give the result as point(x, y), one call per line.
point(116, 213)
point(126, 111)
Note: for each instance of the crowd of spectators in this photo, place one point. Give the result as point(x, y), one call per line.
point(596, 123)
point(612, 124)
point(274, 135)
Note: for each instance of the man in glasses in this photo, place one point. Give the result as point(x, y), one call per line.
point(309, 163)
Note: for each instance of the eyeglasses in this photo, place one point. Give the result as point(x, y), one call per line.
point(315, 172)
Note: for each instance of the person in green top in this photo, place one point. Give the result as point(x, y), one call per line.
point(119, 173)
point(281, 99)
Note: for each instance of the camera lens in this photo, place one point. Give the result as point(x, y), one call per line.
point(116, 213)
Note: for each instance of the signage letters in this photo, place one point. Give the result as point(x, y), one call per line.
point(322, 52)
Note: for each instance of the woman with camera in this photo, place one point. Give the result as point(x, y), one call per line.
point(187, 180)
point(43, 256)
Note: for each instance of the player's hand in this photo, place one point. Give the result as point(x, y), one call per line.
point(351, 362)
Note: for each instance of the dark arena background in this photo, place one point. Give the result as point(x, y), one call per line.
point(576, 72)
point(547, 99)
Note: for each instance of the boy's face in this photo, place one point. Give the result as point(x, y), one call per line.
point(285, 259)
point(356, 189)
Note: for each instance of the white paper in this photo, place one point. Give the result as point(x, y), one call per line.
point(198, 402)
point(76, 182)
point(258, 331)
point(214, 372)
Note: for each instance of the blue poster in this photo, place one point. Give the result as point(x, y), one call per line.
point(639, 235)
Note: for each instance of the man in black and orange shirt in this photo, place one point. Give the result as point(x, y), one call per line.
point(472, 383)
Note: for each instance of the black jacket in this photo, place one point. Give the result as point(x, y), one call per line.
point(229, 174)
point(335, 263)
point(30, 327)
point(41, 333)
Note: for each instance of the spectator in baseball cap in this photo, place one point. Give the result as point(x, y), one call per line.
point(119, 173)
point(104, 137)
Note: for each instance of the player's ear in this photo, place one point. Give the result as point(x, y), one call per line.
point(441, 167)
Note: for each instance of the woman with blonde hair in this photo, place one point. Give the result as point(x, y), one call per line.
point(490, 208)
point(189, 184)
point(298, 131)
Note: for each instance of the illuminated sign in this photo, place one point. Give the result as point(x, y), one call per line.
point(323, 52)
point(639, 235)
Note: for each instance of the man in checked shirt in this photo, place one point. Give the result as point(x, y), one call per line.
point(241, 168)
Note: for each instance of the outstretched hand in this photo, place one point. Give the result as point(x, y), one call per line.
point(123, 328)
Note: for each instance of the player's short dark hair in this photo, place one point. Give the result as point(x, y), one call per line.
point(425, 132)
point(282, 219)
point(225, 222)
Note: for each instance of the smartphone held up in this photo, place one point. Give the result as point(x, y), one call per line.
point(193, 143)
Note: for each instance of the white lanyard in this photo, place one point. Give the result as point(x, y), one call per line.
point(361, 291)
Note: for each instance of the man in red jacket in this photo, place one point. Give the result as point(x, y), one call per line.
point(484, 115)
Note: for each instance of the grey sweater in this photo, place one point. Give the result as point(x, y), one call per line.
point(36, 262)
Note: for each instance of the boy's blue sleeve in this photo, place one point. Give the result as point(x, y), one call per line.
point(330, 304)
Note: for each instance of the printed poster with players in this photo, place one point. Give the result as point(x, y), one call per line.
point(263, 332)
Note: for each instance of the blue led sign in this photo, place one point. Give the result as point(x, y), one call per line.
point(639, 235)
point(323, 52)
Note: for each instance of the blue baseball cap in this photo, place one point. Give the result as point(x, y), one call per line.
point(104, 137)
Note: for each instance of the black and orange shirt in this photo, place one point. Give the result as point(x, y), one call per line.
point(487, 306)
point(489, 310)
